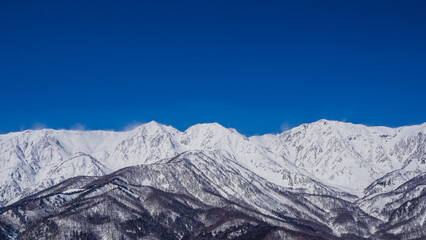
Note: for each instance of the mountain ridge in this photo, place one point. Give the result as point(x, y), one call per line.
point(338, 178)
point(153, 141)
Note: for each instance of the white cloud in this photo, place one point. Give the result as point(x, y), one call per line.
point(285, 127)
point(132, 125)
point(38, 126)
point(78, 126)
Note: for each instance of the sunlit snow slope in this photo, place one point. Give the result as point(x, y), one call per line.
point(345, 156)
point(325, 178)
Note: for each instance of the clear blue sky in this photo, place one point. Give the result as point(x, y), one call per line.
point(252, 65)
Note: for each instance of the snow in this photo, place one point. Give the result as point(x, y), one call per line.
point(339, 155)
point(73, 191)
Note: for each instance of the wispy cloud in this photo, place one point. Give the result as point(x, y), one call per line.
point(285, 126)
point(79, 127)
point(38, 126)
point(132, 125)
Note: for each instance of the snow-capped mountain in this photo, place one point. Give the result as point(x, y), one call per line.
point(199, 182)
point(340, 179)
point(34, 160)
point(350, 156)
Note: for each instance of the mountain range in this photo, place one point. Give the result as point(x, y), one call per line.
point(322, 180)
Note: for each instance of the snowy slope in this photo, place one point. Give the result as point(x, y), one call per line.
point(344, 177)
point(342, 155)
point(200, 182)
point(350, 156)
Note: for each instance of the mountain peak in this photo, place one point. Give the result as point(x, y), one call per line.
point(209, 125)
point(329, 122)
point(323, 120)
point(151, 126)
point(211, 129)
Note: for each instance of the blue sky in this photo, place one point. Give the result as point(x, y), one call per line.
point(257, 66)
